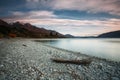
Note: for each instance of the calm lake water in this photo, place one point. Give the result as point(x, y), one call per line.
point(103, 48)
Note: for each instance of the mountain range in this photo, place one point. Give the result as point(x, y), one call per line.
point(18, 29)
point(113, 34)
point(27, 30)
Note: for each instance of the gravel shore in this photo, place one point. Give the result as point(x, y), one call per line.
point(26, 59)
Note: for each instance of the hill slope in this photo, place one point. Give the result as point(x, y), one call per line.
point(114, 34)
point(26, 30)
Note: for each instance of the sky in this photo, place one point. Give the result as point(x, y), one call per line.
point(76, 17)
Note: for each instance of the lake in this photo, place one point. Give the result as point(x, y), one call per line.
point(103, 48)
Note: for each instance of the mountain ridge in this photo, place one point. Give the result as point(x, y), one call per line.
point(112, 34)
point(18, 29)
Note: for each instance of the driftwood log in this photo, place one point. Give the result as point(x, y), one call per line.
point(83, 61)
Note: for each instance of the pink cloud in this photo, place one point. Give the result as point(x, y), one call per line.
point(75, 27)
point(92, 6)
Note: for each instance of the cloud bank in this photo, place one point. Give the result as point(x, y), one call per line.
point(91, 6)
point(42, 13)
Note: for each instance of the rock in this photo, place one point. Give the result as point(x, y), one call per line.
point(80, 67)
point(54, 70)
point(1, 65)
point(51, 69)
point(42, 78)
point(115, 78)
point(61, 79)
point(24, 45)
point(99, 66)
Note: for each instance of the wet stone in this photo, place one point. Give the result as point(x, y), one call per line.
point(115, 78)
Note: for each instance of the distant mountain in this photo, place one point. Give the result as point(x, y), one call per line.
point(18, 29)
point(69, 36)
point(85, 36)
point(114, 34)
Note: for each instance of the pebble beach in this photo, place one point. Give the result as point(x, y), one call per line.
point(28, 59)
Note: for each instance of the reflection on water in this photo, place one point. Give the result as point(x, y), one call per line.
point(104, 48)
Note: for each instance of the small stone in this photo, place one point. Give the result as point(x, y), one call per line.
point(42, 78)
point(99, 66)
point(61, 79)
point(115, 78)
point(78, 58)
point(51, 69)
point(54, 69)
point(80, 66)
point(24, 45)
point(1, 65)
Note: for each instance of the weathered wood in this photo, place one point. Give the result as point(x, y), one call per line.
point(83, 61)
point(24, 45)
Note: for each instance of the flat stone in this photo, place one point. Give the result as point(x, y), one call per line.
point(115, 78)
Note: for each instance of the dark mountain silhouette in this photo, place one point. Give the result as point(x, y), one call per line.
point(26, 30)
point(69, 36)
point(5, 28)
point(114, 34)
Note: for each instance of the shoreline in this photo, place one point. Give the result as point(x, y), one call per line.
point(26, 59)
point(76, 53)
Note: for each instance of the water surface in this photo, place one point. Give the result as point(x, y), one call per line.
point(103, 48)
